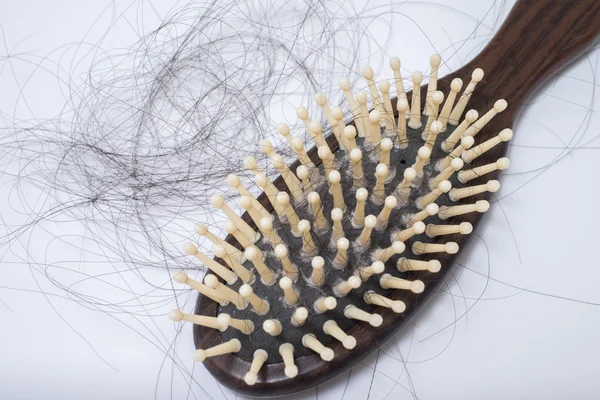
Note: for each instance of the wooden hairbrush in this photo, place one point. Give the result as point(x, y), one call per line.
point(349, 242)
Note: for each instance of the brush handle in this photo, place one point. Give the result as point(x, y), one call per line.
point(537, 39)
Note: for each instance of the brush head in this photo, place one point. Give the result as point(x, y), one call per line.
point(351, 290)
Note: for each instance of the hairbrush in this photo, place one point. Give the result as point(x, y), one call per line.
point(350, 241)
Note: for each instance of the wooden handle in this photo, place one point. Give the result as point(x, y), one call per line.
point(537, 39)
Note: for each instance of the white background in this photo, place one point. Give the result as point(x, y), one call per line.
point(531, 335)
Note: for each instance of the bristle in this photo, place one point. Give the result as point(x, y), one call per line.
point(384, 215)
point(423, 156)
point(344, 287)
point(464, 228)
point(202, 320)
point(309, 249)
point(260, 357)
point(415, 108)
point(289, 269)
point(304, 159)
point(400, 92)
point(388, 111)
point(402, 192)
point(202, 230)
point(435, 129)
point(451, 141)
point(430, 210)
point(353, 312)
point(368, 74)
point(266, 227)
point(272, 327)
point(405, 264)
point(310, 341)
point(245, 275)
point(465, 144)
point(434, 61)
point(235, 182)
point(402, 107)
point(350, 136)
point(466, 176)
point(374, 269)
point(456, 113)
point(339, 127)
point(271, 191)
point(245, 326)
point(332, 328)
point(388, 281)
point(504, 136)
point(341, 256)
point(386, 147)
point(290, 294)
point(283, 199)
point(316, 131)
point(317, 277)
point(260, 306)
point(224, 273)
point(219, 202)
point(474, 129)
point(428, 248)
point(352, 105)
point(303, 174)
point(302, 114)
point(209, 292)
point(231, 346)
point(284, 130)
point(246, 204)
point(286, 351)
point(446, 212)
point(417, 228)
point(436, 99)
point(455, 87)
point(375, 119)
point(255, 256)
point(335, 178)
point(385, 254)
point(454, 166)
point(372, 297)
point(358, 217)
point(364, 240)
point(378, 194)
point(460, 193)
point(321, 223)
point(291, 181)
point(361, 99)
point(338, 229)
point(232, 296)
point(321, 101)
point(324, 304)
point(233, 230)
point(299, 316)
point(357, 169)
point(443, 187)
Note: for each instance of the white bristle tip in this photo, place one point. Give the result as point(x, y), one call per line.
point(345, 84)
point(477, 75)
point(465, 228)
point(302, 113)
point(419, 226)
point(503, 163)
point(320, 99)
point(367, 72)
point(435, 60)
point(417, 77)
point(180, 277)
point(402, 105)
point(175, 315)
point(190, 249)
point(395, 63)
point(375, 320)
point(471, 116)
point(378, 267)
point(482, 206)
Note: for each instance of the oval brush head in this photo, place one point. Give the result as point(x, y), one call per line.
point(350, 240)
